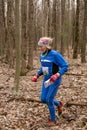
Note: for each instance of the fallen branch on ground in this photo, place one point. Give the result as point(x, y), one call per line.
point(76, 74)
point(38, 101)
point(21, 98)
point(76, 103)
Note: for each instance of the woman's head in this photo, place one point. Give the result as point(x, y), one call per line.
point(46, 42)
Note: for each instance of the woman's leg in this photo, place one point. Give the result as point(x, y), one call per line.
point(50, 100)
point(44, 93)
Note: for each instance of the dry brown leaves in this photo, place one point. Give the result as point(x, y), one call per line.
point(17, 113)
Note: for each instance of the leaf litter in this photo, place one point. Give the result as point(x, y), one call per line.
point(18, 113)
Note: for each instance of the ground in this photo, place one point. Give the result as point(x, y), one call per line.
point(19, 114)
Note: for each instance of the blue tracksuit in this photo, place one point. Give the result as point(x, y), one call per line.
point(51, 63)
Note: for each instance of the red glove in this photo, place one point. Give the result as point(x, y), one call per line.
point(35, 78)
point(54, 77)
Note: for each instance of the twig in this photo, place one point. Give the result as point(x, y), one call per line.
point(76, 74)
point(37, 100)
point(21, 98)
point(76, 103)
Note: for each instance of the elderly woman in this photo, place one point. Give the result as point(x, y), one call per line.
point(53, 66)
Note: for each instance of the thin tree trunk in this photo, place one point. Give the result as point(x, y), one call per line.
point(43, 20)
point(75, 51)
point(54, 25)
point(18, 43)
point(2, 28)
point(10, 33)
point(31, 33)
point(68, 41)
point(84, 36)
point(73, 22)
point(58, 24)
point(49, 18)
point(62, 25)
point(23, 37)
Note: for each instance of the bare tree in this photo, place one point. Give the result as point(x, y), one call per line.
point(62, 24)
point(84, 34)
point(18, 43)
point(76, 44)
point(30, 34)
point(23, 36)
point(48, 18)
point(73, 22)
point(2, 28)
point(44, 18)
point(54, 24)
point(10, 32)
point(58, 19)
point(68, 27)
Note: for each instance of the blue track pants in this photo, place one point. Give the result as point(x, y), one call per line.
point(47, 96)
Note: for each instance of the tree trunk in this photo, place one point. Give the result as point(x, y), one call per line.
point(58, 24)
point(43, 20)
point(23, 36)
point(84, 34)
point(62, 25)
point(49, 18)
point(10, 33)
point(35, 35)
point(68, 19)
point(73, 22)
point(54, 25)
point(18, 43)
point(2, 28)
point(75, 51)
point(30, 33)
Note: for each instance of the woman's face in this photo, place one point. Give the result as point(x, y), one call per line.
point(42, 49)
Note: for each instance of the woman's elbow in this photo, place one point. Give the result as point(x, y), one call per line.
point(67, 67)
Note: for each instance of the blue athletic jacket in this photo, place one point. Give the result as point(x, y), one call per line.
point(51, 63)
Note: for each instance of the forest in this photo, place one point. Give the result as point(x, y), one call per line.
point(22, 24)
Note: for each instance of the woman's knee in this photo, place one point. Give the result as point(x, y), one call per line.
point(49, 102)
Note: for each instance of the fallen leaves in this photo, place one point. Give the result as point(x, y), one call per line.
point(26, 112)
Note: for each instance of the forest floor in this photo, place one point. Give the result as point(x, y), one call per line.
point(20, 113)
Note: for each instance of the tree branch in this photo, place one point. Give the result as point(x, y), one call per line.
point(21, 98)
point(76, 103)
point(76, 74)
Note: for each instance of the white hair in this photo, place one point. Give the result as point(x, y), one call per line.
point(45, 41)
point(49, 39)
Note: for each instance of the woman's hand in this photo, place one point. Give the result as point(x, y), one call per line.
point(54, 77)
point(35, 78)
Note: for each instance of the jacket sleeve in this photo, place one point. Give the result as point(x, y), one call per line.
point(40, 72)
point(61, 62)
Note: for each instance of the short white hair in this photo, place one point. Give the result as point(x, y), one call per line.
point(45, 41)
